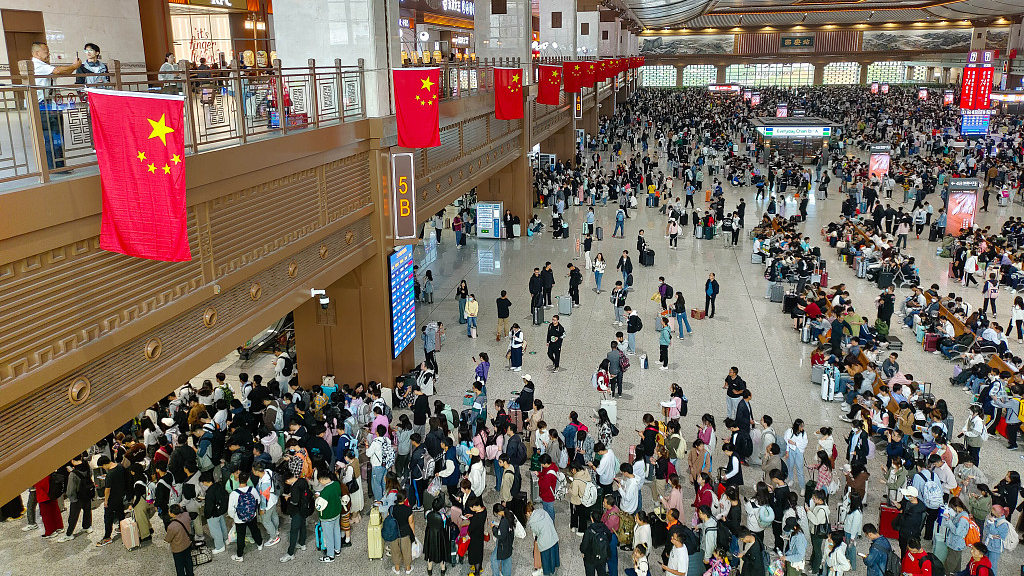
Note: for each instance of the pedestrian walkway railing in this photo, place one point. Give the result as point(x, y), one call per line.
point(46, 130)
point(461, 78)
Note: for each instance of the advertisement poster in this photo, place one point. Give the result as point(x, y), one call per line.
point(747, 94)
point(885, 88)
point(755, 98)
point(922, 93)
point(874, 87)
point(961, 205)
point(781, 110)
point(878, 164)
point(947, 97)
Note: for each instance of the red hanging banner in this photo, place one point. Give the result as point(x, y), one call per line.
point(548, 84)
point(508, 93)
point(140, 148)
point(417, 99)
point(572, 75)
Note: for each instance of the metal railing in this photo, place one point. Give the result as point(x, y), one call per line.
point(467, 77)
point(46, 130)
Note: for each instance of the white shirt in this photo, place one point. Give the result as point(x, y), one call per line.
point(41, 68)
point(606, 468)
point(678, 559)
point(629, 490)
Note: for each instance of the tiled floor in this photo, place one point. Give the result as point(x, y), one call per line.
point(747, 332)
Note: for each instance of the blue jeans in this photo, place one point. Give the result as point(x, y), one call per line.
point(795, 461)
point(498, 472)
point(377, 481)
point(624, 276)
point(500, 567)
point(549, 507)
point(631, 342)
point(458, 238)
point(470, 324)
point(620, 225)
point(462, 310)
point(331, 529)
point(681, 319)
point(597, 279)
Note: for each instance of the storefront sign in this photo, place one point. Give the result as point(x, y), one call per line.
point(460, 40)
point(406, 23)
point(403, 302)
point(795, 131)
point(961, 204)
point(403, 195)
point(463, 8)
point(725, 88)
point(235, 5)
point(796, 41)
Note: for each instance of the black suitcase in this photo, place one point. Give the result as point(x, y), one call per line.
point(565, 232)
point(788, 303)
point(659, 531)
point(649, 257)
point(538, 315)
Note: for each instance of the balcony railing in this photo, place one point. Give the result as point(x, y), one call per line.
point(461, 78)
point(46, 131)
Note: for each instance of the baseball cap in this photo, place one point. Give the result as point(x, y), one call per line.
point(909, 492)
point(528, 378)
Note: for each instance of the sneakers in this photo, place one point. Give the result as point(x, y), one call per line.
point(273, 542)
point(106, 541)
point(409, 571)
point(395, 570)
point(236, 558)
point(52, 535)
point(327, 559)
point(259, 546)
point(216, 551)
point(302, 547)
point(662, 367)
point(65, 538)
point(628, 353)
point(88, 530)
point(287, 558)
point(538, 572)
point(29, 527)
point(845, 418)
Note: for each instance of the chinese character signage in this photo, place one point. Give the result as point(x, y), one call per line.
point(796, 41)
point(403, 305)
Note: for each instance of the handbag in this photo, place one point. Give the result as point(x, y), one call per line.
point(353, 486)
point(518, 528)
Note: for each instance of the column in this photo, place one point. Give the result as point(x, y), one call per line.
point(513, 185)
point(608, 45)
point(562, 144)
point(679, 76)
point(368, 29)
point(558, 28)
point(819, 74)
point(863, 73)
point(588, 33)
point(504, 35)
point(720, 73)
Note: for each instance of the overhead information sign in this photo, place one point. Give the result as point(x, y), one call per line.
point(403, 303)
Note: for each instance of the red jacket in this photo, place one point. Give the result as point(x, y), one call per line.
point(912, 564)
point(547, 482)
point(981, 567)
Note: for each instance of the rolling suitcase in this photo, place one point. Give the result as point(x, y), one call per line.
point(862, 267)
point(564, 305)
point(756, 258)
point(805, 333)
point(788, 303)
point(130, 533)
point(824, 280)
point(919, 333)
point(538, 315)
point(374, 540)
point(649, 256)
point(698, 231)
point(565, 232)
point(931, 342)
point(777, 292)
point(515, 416)
point(517, 231)
point(709, 232)
point(885, 280)
point(612, 407)
point(816, 373)
point(886, 514)
point(600, 233)
point(829, 380)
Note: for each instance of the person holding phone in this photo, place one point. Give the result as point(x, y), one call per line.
point(92, 71)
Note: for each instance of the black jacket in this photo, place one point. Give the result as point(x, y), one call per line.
point(536, 284)
point(554, 331)
point(594, 545)
point(216, 503)
point(625, 264)
point(753, 561)
point(911, 519)
point(547, 277)
point(503, 538)
point(714, 286)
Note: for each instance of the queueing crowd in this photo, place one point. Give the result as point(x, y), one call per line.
point(439, 486)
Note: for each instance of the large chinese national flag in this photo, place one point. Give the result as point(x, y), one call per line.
point(508, 93)
point(417, 97)
point(572, 75)
point(601, 72)
point(548, 84)
point(589, 72)
point(140, 148)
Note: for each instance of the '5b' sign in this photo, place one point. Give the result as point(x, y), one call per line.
point(403, 195)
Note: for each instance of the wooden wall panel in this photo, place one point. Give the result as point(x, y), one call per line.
point(757, 43)
point(474, 134)
point(347, 185)
point(58, 301)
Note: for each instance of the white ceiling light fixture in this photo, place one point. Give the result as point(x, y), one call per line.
point(424, 36)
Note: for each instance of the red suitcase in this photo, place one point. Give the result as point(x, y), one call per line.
point(696, 314)
point(824, 279)
point(931, 342)
point(886, 514)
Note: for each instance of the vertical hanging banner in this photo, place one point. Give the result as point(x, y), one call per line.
point(961, 204)
point(588, 74)
point(878, 162)
point(602, 70)
point(417, 99)
point(508, 93)
point(548, 84)
point(140, 149)
point(572, 75)
point(403, 194)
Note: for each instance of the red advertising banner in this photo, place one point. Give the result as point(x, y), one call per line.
point(878, 164)
point(983, 95)
point(969, 88)
point(874, 87)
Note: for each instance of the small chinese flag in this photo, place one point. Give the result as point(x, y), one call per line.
point(549, 83)
point(508, 93)
point(572, 75)
point(417, 98)
point(140, 148)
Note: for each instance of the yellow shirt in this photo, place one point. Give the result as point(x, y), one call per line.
point(472, 307)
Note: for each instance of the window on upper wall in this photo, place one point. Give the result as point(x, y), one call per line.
point(499, 6)
point(919, 74)
point(699, 75)
point(783, 74)
point(893, 72)
point(841, 73)
point(658, 76)
point(556, 19)
point(604, 34)
point(584, 28)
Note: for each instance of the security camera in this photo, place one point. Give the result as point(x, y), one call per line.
point(321, 295)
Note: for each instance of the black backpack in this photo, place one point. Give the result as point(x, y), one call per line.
point(289, 365)
point(690, 539)
point(86, 488)
point(669, 292)
point(938, 569)
point(58, 484)
point(600, 545)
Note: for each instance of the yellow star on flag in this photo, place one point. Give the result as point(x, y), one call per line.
point(141, 156)
point(152, 168)
point(577, 67)
point(160, 128)
point(176, 159)
point(555, 74)
point(515, 77)
point(427, 84)
point(167, 169)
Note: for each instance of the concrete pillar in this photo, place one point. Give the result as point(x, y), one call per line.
point(978, 34)
point(608, 43)
point(720, 73)
point(507, 35)
point(306, 29)
point(819, 74)
point(679, 76)
point(561, 39)
point(588, 44)
point(513, 185)
point(863, 73)
point(562, 143)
